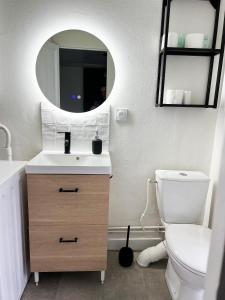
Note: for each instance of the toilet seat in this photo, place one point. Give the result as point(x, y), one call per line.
point(183, 265)
point(189, 244)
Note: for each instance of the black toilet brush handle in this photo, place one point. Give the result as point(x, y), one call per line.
point(128, 234)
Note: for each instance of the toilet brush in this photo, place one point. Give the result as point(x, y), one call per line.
point(214, 3)
point(126, 254)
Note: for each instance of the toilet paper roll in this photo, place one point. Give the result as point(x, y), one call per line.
point(170, 96)
point(179, 94)
point(172, 39)
point(187, 97)
point(194, 40)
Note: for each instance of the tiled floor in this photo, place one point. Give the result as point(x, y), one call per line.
point(132, 283)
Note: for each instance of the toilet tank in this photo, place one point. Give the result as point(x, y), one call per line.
point(181, 195)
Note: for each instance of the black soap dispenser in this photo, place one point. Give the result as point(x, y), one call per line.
point(97, 144)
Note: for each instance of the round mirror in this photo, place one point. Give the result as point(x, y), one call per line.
point(75, 71)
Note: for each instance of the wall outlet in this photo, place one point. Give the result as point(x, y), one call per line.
point(121, 114)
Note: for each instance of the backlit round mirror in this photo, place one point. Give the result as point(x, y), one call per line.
point(75, 71)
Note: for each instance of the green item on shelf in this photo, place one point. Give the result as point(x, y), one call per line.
point(181, 40)
point(206, 42)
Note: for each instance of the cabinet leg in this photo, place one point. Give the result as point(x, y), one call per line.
point(36, 278)
point(102, 277)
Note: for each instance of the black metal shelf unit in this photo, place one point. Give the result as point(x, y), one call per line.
point(211, 53)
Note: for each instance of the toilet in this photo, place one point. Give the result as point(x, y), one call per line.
point(181, 197)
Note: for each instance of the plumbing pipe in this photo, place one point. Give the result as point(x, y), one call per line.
point(147, 203)
point(152, 254)
point(7, 150)
point(8, 135)
point(148, 200)
point(136, 228)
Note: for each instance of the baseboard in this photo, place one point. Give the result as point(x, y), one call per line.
point(139, 239)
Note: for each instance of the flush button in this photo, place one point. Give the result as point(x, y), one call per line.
point(183, 174)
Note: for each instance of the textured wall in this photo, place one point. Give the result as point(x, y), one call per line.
point(82, 128)
point(152, 138)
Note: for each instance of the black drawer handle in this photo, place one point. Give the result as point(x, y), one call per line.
point(62, 190)
point(61, 240)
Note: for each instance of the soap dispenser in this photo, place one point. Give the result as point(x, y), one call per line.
point(97, 144)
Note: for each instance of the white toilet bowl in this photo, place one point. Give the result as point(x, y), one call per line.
point(188, 248)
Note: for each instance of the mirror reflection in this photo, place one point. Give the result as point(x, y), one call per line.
point(75, 71)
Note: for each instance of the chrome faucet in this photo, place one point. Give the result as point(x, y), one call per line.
point(67, 142)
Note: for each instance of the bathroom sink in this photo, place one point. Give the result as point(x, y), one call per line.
point(74, 163)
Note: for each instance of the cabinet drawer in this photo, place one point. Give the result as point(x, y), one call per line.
point(88, 205)
point(61, 209)
point(51, 249)
point(51, 184)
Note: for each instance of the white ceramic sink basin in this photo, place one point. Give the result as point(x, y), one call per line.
point(75, 163)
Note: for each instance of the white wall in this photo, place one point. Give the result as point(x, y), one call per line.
point(218, 224)
point(216, 207)
point(152, 138)
point(218, 237)
point(218, 149)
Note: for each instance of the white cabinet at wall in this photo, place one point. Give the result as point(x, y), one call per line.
point(13, 232)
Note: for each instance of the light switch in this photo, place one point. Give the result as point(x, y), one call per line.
point(121, 114)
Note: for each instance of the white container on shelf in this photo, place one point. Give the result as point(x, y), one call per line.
point(194, 40)
point(170, 97)
point(179, 94)
point(174, 97)
point(187, 97)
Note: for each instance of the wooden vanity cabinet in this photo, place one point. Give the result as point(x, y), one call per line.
point(68, 221)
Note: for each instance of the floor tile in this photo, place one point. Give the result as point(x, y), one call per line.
point(133, 283)
point(46, 290)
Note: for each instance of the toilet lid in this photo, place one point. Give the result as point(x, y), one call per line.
point(189, 244)
point(175, 175)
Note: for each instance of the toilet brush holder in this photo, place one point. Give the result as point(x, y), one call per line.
point(126, 255)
